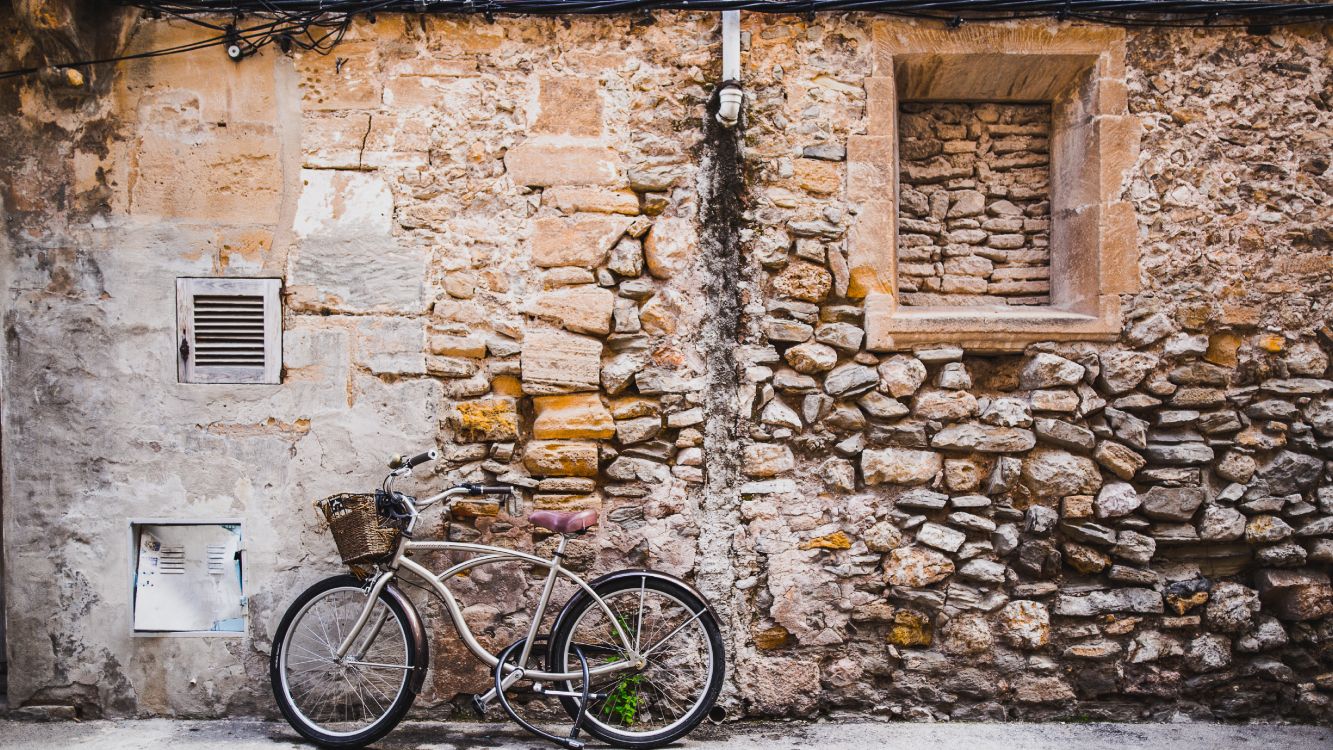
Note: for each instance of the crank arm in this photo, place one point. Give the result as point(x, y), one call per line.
point(485, 698)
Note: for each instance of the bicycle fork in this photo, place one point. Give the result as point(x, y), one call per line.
point(373, 595)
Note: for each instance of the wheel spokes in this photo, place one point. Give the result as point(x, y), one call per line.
point(678, 670)
point(344, 696)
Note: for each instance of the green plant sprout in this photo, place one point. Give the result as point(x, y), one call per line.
point(622, 701)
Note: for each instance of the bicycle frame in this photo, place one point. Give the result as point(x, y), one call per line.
point(487, 555)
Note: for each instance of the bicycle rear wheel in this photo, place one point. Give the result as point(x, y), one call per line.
point(676, 633)
point(348, 702)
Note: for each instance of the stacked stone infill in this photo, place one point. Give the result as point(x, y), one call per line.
point(974, 208)
point(587, 401)
point(651, 418)
point(606, 402)
point(1078, 524)
point(1081, 524)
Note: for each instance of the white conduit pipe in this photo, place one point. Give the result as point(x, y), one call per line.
point(730, 94)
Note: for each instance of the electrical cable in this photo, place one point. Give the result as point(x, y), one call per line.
point(1197, 8)
point(320, 25)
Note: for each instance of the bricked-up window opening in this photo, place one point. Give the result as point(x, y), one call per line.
point(999, 157)
point(229, 330)
point(974, 203)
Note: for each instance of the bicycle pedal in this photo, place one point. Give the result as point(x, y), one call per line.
point(477, 706)
point(571, 744)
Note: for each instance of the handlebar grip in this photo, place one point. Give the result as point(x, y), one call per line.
point(422, 458)
point(399, 461)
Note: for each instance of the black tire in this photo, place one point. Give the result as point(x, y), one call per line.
point(402, 700)
point(559, 649)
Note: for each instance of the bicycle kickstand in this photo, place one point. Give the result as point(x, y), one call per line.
point(571, 742)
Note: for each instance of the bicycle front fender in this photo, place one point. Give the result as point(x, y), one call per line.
point(417, 632)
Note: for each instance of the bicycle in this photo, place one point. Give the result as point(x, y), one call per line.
point(634, 657)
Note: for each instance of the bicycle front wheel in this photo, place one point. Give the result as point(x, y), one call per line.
point(355, 700)
point(673, 629)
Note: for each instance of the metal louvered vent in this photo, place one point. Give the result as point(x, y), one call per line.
point(230, 330)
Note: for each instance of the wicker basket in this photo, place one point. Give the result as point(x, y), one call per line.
point(361, 534)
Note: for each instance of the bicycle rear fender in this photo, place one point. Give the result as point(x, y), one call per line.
point(634, 573)
point(417, 632)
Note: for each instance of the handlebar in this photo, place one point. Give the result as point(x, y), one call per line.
point(400, 466)
point(399, 462)
point(485, 489)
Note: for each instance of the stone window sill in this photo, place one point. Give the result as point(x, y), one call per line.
point(891, 327)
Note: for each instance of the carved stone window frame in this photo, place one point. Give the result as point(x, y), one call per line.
point(1080, 71)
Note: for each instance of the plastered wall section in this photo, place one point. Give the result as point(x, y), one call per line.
point(442, 199)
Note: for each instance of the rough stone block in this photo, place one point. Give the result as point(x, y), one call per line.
point(1296, 594)
point(1132, 600)
point(940, 537)
point(766, 459)
point(566, 502)
point(669, 247)
point(581, 309)
point(1025, 624)
point(555, 361)
point(1051, 474)
point(571, 200)
point(1172, 503)
point(536, 163)
point(560, 458)
point(485, 420)
point(1118, 459)
point(900, 466)
point(983, 438)
point(582, 241)
point(801, 281)
point(569, 105)
point(916, 566)
point(579, 415)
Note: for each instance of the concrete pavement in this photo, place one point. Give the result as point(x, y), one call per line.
point(839, 735)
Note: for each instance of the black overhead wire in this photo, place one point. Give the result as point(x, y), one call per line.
point(1198, 9)
point(317, 31)
point(319, 25)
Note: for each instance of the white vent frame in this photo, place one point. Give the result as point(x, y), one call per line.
point(189, 370)
point(135, 526)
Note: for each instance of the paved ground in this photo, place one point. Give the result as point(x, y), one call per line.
point(842, 735)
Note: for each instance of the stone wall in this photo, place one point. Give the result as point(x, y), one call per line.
point(974, 204)
point(525, 241)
